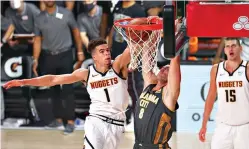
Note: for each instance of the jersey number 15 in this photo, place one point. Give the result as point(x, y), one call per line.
point(230, 96)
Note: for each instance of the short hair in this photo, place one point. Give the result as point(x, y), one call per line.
point(94, 43)
point(233, 38)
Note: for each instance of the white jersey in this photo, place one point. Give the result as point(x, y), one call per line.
point(233, 95)
point(108, 93)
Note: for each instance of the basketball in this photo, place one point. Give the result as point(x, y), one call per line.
point(138, 35)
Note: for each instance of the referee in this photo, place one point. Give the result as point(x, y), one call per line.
point(53, 49)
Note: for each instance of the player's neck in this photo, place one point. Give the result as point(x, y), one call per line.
point(102, 69)
point(233, 64)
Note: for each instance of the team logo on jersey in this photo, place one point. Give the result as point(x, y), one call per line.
point(231, 84)
point(240, 73)
point(94, 75)
point(104, 83)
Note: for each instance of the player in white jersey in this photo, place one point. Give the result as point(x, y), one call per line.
point(230, 80)
point(106, 84)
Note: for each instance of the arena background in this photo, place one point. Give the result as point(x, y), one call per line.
point(30, 107)
point(18, 103)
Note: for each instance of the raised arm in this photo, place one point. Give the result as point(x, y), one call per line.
point(121, 62)
point(149, 77)
point(219, 51)
point(50, 80)
point(172, 90)
point(209, 102)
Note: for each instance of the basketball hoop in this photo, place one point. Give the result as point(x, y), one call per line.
point(142, 40)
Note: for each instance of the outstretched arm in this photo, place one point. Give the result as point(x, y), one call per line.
point(50, 80)
point(172, 90)
point(219, 51)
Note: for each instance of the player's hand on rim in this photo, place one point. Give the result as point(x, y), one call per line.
point(13, 83)
point(202, 134)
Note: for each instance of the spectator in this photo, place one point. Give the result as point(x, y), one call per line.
point(126, 9)
point(89, 22)
point(106, 5)
point(7, 28)
point(153, 8)
point(54, 41)
point(67, 4)
point(22, 15)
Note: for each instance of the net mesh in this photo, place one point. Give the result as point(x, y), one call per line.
point(143, 50)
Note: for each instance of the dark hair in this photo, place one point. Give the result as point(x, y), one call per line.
point(232, 38)
point(94, 43)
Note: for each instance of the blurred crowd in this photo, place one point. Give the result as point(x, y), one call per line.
point(56, 35)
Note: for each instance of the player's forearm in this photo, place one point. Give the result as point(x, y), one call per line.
point(207, 111)
point(46, 80)
point(37, 47)
point(175, 76)
point(220, 48)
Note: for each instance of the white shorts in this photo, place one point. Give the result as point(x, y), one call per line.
point(230, 137)
point(102, 135)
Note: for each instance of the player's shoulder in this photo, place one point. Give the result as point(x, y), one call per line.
point(215, 69)
point(215, 66)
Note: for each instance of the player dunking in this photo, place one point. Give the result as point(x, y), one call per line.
point(230, 80)
point(156, 106)
point(106, 85)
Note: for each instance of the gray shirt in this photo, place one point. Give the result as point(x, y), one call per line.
point(24, 22)
point(55, 29)
point(5, 23)
point(90, 24)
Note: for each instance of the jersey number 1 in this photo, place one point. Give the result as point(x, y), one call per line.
point(107, 95)
point(230, 95)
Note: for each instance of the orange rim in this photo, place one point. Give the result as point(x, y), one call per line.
point(157, 24)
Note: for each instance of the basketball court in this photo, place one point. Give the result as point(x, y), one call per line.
point(174, 39)
point(51, 139)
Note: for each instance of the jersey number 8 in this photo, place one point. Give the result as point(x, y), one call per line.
point(230, 96)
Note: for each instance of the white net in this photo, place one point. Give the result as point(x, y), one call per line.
point(143, 45)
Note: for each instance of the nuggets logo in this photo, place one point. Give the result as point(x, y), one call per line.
point(230, 84)
point(104, 83)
